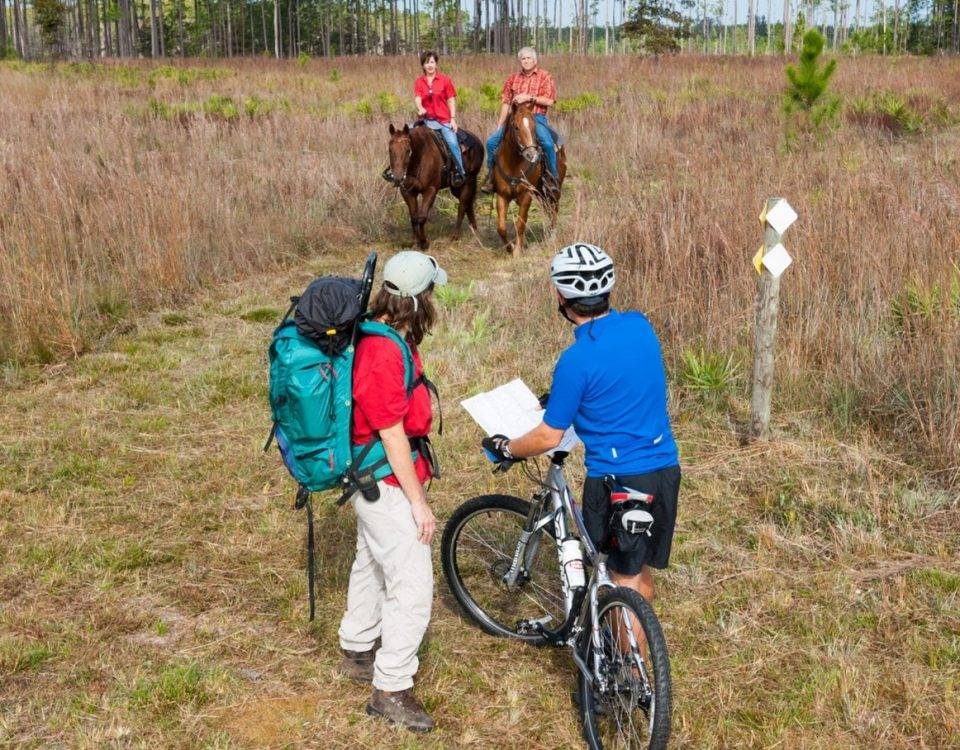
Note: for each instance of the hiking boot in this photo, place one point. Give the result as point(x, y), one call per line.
point(400, 707)
point(487, 186)
point(358, 665)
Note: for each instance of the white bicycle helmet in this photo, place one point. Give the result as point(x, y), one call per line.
point(582, 270)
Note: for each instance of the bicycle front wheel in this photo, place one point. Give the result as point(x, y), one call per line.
point(479, 542)
point(629, 708)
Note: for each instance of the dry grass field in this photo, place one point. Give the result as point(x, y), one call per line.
point(155, 219)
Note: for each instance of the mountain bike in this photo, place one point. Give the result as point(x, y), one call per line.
point(497, 558)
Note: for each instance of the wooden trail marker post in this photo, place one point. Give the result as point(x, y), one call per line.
point(770, 261)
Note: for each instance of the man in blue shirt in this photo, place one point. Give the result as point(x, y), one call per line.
point(611, 386)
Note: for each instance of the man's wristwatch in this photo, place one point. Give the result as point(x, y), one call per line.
point(499, 446)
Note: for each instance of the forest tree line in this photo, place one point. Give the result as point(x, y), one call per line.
point(87, 29)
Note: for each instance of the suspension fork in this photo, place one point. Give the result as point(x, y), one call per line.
point(601, 578)
point(524, 552)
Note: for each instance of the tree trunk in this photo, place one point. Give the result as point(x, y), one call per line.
point(956, 26)
point(883, 7)
point(752, 27)
point(787, 28)
point(277, 48)
point(263, 25)
point(3, 29)
point(488, 31)
point(836, 23)
point(896, 26)
point(17, 39)
point(107, 35)
point(154, 37)
point(180, 40)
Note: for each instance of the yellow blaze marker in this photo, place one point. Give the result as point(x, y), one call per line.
point(758, 260)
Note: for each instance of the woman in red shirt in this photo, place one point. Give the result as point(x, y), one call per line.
point(391, 581)
point(436, 102)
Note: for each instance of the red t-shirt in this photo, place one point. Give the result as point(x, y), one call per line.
point(380, 397)
point(434, 97)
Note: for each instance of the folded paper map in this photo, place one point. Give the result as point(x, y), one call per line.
point(511, 410)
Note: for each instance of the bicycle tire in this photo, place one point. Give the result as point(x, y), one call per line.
point(449, 560)
point(659, 729)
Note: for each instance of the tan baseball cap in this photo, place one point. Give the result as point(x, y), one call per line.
point(409, 272)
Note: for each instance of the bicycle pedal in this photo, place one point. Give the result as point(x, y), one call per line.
point(533, 626)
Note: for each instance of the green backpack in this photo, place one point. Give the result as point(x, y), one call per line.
point(311, 400)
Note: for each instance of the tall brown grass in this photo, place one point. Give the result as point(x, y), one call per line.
point(129, 187)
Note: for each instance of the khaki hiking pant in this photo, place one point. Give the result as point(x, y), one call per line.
point(391, 588)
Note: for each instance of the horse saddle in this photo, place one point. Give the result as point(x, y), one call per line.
point(465, 139)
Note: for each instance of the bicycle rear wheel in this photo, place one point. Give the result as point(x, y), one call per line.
point(632, 708)
point(477, 549)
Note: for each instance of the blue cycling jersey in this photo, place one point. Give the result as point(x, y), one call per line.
point(611, 386)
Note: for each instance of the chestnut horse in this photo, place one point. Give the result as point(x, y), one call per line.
point(417, 168)
point(519, 174)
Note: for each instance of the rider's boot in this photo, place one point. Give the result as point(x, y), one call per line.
point(457, 179)
point(549, 184)
point(487, 186)
point(400, 707)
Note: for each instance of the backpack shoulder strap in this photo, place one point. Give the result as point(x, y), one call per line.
point(375, 328)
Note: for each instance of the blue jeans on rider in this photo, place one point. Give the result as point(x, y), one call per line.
point(451, 138)
point(543, 135)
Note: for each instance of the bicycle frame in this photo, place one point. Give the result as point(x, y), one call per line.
point(563, 506)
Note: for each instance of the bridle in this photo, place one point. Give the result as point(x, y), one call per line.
point(523, 149)
point(529, 165)
point(388, 174)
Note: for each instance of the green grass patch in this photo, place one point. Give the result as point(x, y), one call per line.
point(262, 315)
point(18, 656)
point(172, 688)
point(224, 387)
point(121, 557)
point(939, 580)
point(453, 296)
point(175, 319)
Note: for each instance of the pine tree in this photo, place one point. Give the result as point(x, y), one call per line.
point(806, 95)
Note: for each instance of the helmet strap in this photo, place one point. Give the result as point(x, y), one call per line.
point(562, 309)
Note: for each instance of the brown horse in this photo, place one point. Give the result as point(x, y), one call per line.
point(417, 167)
point(519, 174)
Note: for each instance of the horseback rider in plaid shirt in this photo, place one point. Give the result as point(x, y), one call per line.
point(530, 84)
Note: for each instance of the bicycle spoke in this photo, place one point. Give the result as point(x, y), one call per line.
point(487, 545)
point(627, 701)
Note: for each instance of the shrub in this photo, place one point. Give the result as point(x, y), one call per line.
point(806, 99)
point(708, 375)
point(579, 103)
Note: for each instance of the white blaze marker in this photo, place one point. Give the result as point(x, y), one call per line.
point(781, 216)
point(777, 260)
